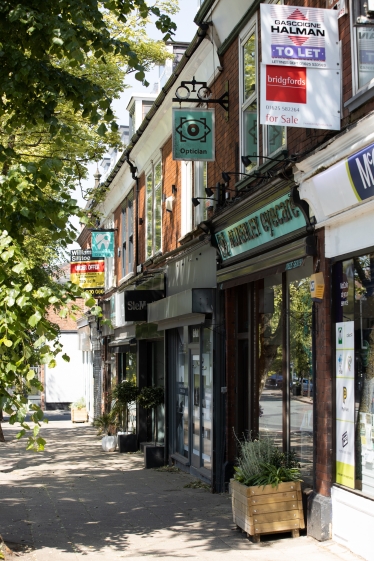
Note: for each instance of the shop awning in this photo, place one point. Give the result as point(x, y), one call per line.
point(122, 345)
point(188, 307)
point(272, 262)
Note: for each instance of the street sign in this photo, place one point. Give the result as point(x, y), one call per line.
point(102, 244)
point(193, 134)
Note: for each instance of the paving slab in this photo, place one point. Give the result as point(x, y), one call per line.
point(75, 501)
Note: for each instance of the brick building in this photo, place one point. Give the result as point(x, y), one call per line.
point(236, 339)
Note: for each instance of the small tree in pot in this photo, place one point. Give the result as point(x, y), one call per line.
point(151, 397)
point(124, 394)
point(107, 425)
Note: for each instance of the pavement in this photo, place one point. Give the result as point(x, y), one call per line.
point(75, 501)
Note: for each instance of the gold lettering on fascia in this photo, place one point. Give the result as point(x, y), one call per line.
point(270, 220)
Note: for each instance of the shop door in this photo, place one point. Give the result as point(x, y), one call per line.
point(196, 404)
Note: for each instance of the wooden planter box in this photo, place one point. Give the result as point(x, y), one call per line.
point(266, 510)
point(78, 415)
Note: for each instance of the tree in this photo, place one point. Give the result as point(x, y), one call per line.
point(61, 64)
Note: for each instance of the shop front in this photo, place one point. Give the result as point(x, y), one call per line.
point(267, 260)
point(343, 202)
point(189, 316)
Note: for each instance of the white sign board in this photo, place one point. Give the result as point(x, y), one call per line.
point(297, 36)
point(345, 404)
point(300, 97)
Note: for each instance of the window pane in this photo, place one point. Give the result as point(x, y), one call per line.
point(124, 236)
point(270, 381)
point(130, 228)
point(365, 53)
point(149, 201)
point(182, 389)
point(158, 207)
point(249, 70)
point(200, 184)
point(250, 132)
point(276, 138)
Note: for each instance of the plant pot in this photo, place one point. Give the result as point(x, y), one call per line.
point(127, 443)
point(78, 415)
point(153, 456)
point(109, 443)
point(267, 510)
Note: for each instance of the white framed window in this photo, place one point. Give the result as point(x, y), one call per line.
point(248, 83)
point(274, 139)
point(186, 198)
point(127, 249)
point(200, 184)
point(153, 204)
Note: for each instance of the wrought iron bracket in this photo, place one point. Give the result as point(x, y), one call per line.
point(203, 93)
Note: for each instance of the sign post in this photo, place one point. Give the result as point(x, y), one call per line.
point(193, 134)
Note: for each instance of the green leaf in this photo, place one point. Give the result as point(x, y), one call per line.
point(19, 268)
point(52, 363)
point(34, 319)
point(66, 358)
point(30, 375)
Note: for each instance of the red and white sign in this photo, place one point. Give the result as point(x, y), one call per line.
point(286, 83)
point(300, 97)
point(299, 36)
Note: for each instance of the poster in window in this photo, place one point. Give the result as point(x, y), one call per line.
point(345, 404)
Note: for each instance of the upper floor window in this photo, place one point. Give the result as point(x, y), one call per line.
point(200, 184)
point(362, 44)
point(153, 210)
point(249, 105)
point(128, 235)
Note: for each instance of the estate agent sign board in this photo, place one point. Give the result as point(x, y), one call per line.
point(272, 221)
point(193, 134)
point(300, 70)
point(87, 271)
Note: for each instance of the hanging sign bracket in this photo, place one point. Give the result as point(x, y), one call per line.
point(203, 93)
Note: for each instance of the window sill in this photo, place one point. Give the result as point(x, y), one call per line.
point(179, 458)
point(360, 98)
point(126, 278)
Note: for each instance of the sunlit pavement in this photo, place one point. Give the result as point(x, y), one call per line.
point(75, 501)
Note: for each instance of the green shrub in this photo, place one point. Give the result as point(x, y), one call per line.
point(260, 462)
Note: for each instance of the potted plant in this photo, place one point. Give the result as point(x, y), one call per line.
point(125, 394)
point(266, 490)
point(107, 424)
point(78, 411)
point(151, 397)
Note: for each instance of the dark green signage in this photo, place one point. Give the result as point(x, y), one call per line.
point(272, 221)
point(193, 134)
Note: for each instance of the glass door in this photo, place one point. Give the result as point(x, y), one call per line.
point(196, 404)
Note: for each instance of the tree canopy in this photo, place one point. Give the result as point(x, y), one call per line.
point(62, 62)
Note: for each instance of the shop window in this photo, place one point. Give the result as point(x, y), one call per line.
point(128, 235)
point(249, 90)
point(154, 210)
point(354, 329)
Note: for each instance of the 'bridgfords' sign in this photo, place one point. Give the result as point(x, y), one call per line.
point(272, 221)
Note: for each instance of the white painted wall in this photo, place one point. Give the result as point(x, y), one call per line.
point(66, 382)
point(353, 522)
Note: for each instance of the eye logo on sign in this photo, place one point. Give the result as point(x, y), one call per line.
point(193, 129)
point(193, 134)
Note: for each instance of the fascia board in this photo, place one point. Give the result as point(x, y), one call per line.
point(360, 135)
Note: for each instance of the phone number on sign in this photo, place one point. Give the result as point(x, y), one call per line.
point(279, 108)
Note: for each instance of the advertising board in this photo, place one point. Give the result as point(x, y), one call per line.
point(87, 272)
point(298, 36)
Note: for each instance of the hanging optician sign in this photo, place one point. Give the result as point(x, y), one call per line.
point(102, 243)
point(193, 134)
point(300, 71)
point(87, 272)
